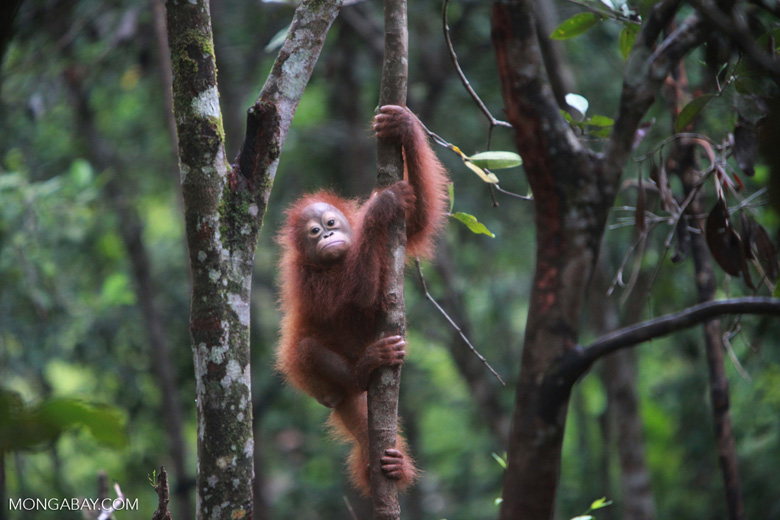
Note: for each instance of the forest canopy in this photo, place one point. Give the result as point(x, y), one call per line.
point(613, 165)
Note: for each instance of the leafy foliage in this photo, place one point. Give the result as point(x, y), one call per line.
point(31, 428)
point(575, 26)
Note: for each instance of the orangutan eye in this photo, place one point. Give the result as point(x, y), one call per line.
point(332, 222)
point(314, 230)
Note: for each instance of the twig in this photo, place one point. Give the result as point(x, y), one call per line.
point(456, 150)
point(618, 278)
point(734, 359)
point(659, 146)
point(512, 194)
point(350, 508)
point(747, 202)
point(163, 496)
point(453, 324)
point(609, 13)
point(734, 26)
point(642, 246)
point(466, 84)
point(105, 514)
point(675, 221)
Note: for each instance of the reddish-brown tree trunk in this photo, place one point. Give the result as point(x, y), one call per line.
point(569, 221)
point(573, 190)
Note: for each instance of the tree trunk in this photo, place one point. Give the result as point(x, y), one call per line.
point(573, 190)
point(569, 222)
point(224, 208)
point(638, 503)
point(714, 347)
point(221, 260)
point(624, 421)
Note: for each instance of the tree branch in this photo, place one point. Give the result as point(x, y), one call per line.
point(385, 381)
point(574, 363)
point(463, 79)
point(454, 325)
point(664, 325)
point(735, 27)
point(706, 286)
point(647, 68)
point(655, 328)
point(269, 118)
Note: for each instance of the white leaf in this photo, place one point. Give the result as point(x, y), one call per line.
point(577, 102)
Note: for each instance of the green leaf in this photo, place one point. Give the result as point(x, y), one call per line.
point(473, 224)
point(574, 26)
point(104, 423)
point(31, 428)
point(501, 461)
point(451, 190)
point(600, 132)
point(596, 126)
point(690, 111)
point(583, 517)
point(600, 121)
point(601, 502)
point(626, 39)
point(496, 160)
point(81, 173)
point(117, 290)
point(498, 501)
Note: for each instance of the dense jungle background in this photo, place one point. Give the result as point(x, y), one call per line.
point(94, 279)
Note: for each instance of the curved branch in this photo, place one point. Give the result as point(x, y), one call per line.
point(655, 328)
point(576, 362)
point(463, 79)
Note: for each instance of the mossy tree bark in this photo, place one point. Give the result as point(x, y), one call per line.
point(224, 207)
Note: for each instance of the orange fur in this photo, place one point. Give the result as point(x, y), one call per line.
point(330, 310)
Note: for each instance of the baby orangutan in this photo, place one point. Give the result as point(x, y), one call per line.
point(334, 267)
